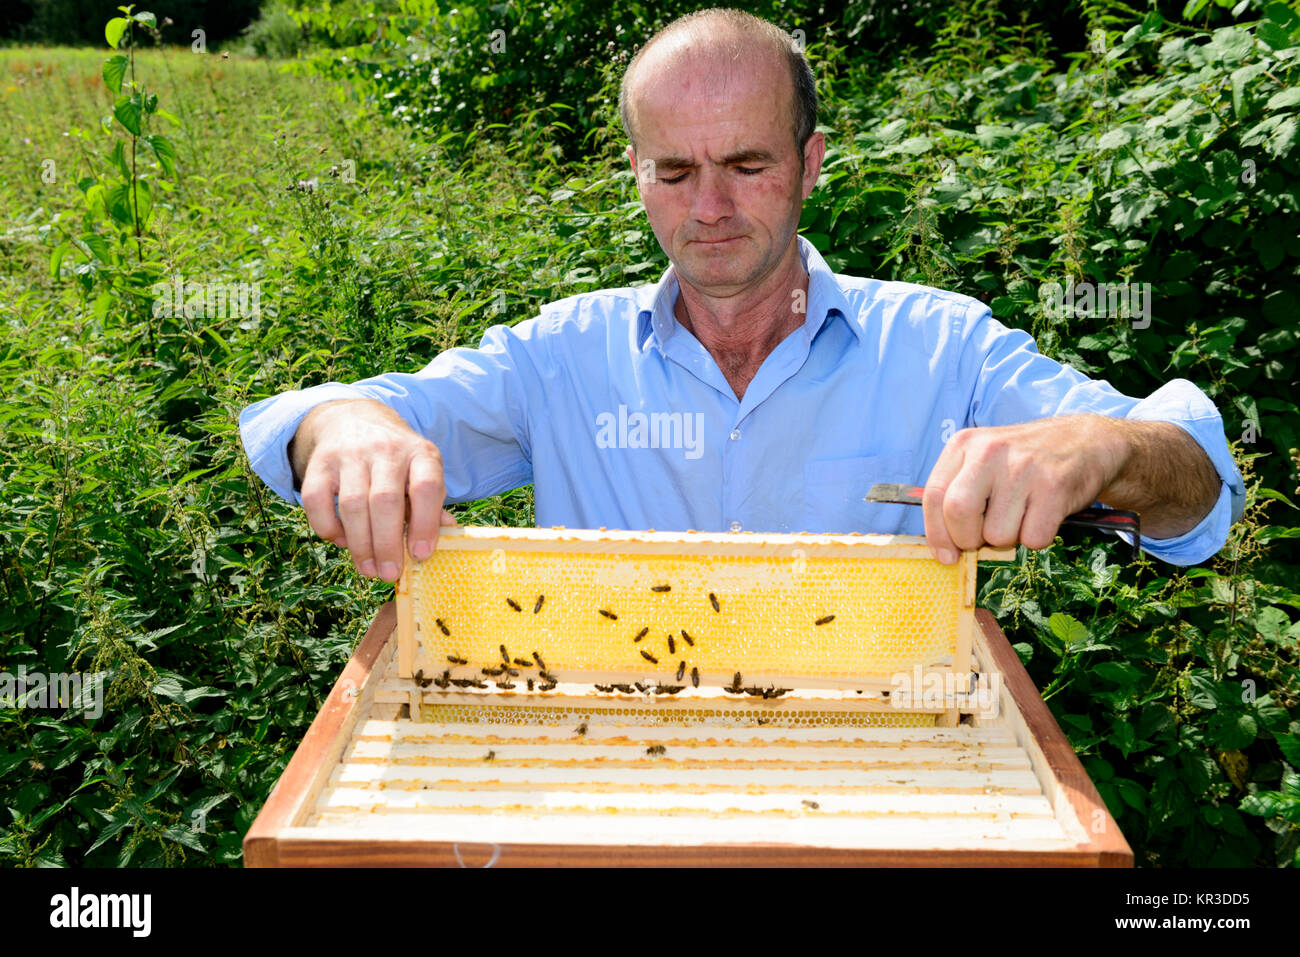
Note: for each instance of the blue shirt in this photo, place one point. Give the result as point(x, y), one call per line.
point(621, 418)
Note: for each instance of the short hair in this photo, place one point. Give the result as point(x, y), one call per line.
point(763, 34)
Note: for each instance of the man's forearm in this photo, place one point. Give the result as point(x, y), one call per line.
point(1165, 477)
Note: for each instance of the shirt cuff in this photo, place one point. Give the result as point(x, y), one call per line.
point(1187, 407)
point(268, 426)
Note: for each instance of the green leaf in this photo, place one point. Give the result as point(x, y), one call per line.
point(1069, 630)
point(113, 31)
point(1278, 38)
point(114, 71)
point(1114, 139)
point(128, 113)
point(1284, 99)
point(56, 259)
point(163, 149)
point(1119, 672)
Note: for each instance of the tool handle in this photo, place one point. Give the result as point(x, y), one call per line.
point(1098, 516)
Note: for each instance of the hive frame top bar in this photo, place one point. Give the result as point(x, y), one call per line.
point(882, 546)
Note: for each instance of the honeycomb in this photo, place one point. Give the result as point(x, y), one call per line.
point(663, 607)
point(677, 717)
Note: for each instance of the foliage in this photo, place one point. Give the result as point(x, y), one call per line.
point(134, 541)
point(465, 66)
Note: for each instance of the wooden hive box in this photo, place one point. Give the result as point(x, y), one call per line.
point(552, 697)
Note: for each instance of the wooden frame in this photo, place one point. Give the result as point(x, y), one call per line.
point(280, 836)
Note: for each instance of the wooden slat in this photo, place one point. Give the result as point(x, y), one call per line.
point(338, 800)
point(1066, 783)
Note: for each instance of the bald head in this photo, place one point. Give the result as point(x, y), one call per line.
point(715, 43)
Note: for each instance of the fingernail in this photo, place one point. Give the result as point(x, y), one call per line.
point(421, 550)
point(368, 568)
point(947, 556)
point(389, 571)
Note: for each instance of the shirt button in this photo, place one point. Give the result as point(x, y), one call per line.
point(735, 435)
point(735, 526)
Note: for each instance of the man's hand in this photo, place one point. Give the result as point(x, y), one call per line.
point(384, 475)
point(1014, 484)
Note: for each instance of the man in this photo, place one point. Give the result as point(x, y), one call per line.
point(751, 389)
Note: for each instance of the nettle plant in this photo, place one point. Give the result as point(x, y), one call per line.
point(108, 248)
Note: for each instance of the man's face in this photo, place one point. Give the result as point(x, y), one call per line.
point(724, 192)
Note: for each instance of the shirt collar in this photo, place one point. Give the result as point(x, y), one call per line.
point(656, 323)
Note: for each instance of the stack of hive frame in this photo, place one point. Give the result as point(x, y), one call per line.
point(685, 698)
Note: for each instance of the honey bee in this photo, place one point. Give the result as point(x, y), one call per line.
point(440, 682)
point(546, 687)
point(547, 676)
point(476, 683)
point(641, 634)
point(505, 655)
point(538, 606)
point(626, 689)
point(649, 657)
point(418, 676)
point(695, 677)
point(608, 614)
point(582, 729)
point(644, 689)
point(713, 600)
point(681, 669)
point(661, 588)
point(492, 672)
point(540, 663)
point(530, 684)
point(672, 648)
point(824, 620)
point(605, 688)
point(512, 672)
point(492, 754)
point(514, 604)
point(505, 685)
point(734, 687)
point(811, 805)
point(523, 663)
point(655, 750)
point(455, 660)
point(687, 638)
point(445, 629)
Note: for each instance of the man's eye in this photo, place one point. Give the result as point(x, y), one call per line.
point(749, 170)
point(675, 179)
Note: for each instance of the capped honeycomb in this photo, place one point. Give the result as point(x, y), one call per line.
point(501, 607)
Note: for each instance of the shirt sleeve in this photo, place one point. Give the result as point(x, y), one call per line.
point(1010, 382)
point(473, 404)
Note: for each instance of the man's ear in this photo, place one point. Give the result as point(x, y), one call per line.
point(814, 151)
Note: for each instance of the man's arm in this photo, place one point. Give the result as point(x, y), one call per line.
point(1014, 484)
point(455, 431)
point(1048, 441)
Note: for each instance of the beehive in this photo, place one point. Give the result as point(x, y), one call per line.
point(533, 710)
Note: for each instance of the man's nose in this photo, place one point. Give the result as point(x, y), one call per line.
point(712, 197)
